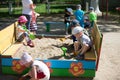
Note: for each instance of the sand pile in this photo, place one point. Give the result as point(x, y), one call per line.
point(47, 48)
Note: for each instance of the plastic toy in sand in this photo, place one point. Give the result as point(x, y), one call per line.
point(64, 49)
point(31, 35)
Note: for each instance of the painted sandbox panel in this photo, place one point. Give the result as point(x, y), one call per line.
point(56, 63)
point(55, 72)
point(65, 68)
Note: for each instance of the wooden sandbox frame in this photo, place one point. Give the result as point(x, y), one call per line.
point(58, 68)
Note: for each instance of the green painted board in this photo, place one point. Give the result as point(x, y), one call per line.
point(56, 72)
point(67, 73)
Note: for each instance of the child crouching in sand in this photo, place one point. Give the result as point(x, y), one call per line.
point(22, 32)
point(83, 43)
point(38, 69)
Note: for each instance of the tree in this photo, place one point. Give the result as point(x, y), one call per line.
point(95, 4)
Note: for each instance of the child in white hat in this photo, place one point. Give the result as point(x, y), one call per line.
point(38, 69)
point(82, 44)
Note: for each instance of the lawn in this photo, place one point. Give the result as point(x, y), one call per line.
point(56, 6)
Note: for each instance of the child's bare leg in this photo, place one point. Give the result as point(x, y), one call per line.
point(76, 46)
point(84, 48)
point(28, 40)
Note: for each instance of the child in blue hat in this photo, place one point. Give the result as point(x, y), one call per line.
point(67, 20)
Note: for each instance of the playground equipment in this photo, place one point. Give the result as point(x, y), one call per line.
point(58, 68)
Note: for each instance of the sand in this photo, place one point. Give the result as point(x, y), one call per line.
point(47, 48)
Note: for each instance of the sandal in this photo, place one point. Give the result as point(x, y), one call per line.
point(30, 43)
point(80, 57)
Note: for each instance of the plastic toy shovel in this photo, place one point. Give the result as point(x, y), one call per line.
point(32, 36)
point(64, 49)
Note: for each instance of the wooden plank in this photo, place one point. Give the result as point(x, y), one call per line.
point(4, 44)
point(55, 72)
point(67, 63)
point(90, 55)
point(67, 73)
point(8, 30)
point(12, 50)
point(8, 70)
point(56, 63)
point(97, 40)
point(7, 37)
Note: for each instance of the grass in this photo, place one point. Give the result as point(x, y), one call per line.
point(41, 8)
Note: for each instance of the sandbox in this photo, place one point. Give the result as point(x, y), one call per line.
point(48, 49)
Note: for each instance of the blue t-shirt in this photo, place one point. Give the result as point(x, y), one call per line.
point(79, 14)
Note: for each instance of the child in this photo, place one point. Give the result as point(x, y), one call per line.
point(68, 13)
point(86, 21)
point(92, 16)
point(22, 32)
point(33, 25)
point(82, 44)
point(38, 69)
point(79, 15)
point(86, 24)
point(74, 23)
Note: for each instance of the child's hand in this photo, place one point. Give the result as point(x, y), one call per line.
point(28, 31)
point(76, 53)
point(37, 14)
point(34, 6)
point(68, 36)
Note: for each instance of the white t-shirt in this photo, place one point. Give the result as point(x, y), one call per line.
point(84, 39)
point(18, 32)
point(42, 67)
point(26, 7)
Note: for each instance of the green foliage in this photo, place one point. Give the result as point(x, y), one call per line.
point(56, 6)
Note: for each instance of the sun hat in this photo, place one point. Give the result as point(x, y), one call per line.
point(86, 18)
point(77, 30)
point(25, 58)
point(74, 22)
point(69, 10)
point(91, 8)
point(78, 5)
point(22, 19)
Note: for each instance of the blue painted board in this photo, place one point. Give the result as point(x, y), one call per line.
point(56, 63)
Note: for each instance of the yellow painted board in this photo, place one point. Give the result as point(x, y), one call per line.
point(90, 55)
point(7, 37)
point(8, 30)
point(12, 50)
point(4, 44)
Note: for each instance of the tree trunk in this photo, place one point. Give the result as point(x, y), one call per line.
point(95, 4)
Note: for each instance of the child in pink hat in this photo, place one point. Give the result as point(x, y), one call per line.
point(38, 69)
point(22, 32)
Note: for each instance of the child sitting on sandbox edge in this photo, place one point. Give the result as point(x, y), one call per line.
point(22, 33)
